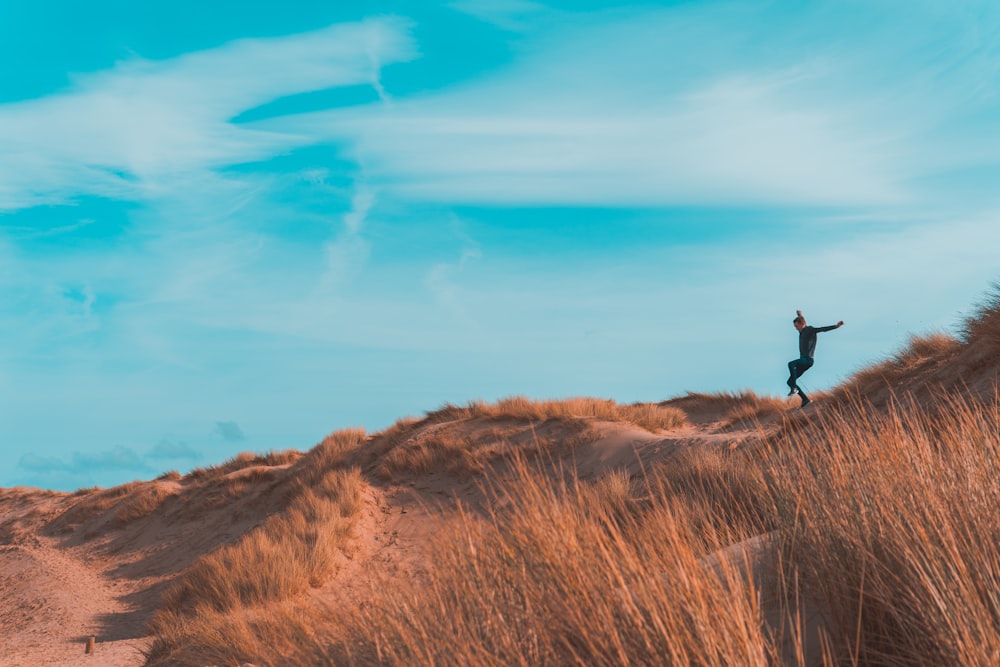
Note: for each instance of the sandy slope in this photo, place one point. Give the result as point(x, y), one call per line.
point(68, 572)
point(53, 601)
point(54, 598)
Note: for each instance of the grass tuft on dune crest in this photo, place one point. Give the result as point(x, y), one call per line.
point(649, 416)
point(233, 591)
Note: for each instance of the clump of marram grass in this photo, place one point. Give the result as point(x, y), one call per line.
point(278, 635)
point(568, 573)
point(889, 522)
point(650, 416)
point(470, 448)
point(982, 328)
point(930, 352)
point(245, 460)
point(451, 452)
point(336, 450)
point(750, 409)
point(140, 503)
point(725, 494)
point(278, 560)
point(95, 502)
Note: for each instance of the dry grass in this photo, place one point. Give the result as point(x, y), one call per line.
point(245, 460)
point(890, 522)
point(284, 556)
point(94, 503)
point(724, 494)
point(451, 452)
point(729, 409)
point(141, 503)
point(265, 635)
point(468, 449)
point(288, 553)
point(413, 447)
point(569, 573)
point(885, 519)
point(903, 370)
point(750, 409)
point(249, 484)
point(339, 449)
point(649, 416)
point(982, 329)
point(922, 348)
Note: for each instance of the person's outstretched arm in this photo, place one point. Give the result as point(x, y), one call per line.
point(831, 327)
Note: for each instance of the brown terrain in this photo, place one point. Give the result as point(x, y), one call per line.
point(707, 529)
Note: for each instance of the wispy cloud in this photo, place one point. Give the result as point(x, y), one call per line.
point(174, 451)
point(118, 458)
point(740, 103)
point(347, 253)
point(122, 132)
point(42, 463)
point(159, 133)
point(443, 278)
point(507, 14)
point(100, 466)
point(115, 459)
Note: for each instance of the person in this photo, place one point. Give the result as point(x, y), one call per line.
point(807, 347)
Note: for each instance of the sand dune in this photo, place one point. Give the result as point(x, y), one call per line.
point(72, 570)
point(97, 563)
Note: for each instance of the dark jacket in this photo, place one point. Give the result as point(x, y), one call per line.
point(807, 339)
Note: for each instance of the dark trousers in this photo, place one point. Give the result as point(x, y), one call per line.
point(796, 368)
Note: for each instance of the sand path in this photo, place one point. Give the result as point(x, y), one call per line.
point(52, 602)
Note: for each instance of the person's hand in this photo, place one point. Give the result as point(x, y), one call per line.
point(840, 324)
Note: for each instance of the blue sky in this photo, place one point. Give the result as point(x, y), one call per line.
point(240, 226)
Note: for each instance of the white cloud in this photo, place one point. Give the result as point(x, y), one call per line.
point(171, 450)
point(506, 14)
point(347, 254)
point(119, 133)
point(443, 278)
point(708, 103)
point(589, 126)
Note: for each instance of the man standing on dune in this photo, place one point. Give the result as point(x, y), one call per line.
point(807, 346)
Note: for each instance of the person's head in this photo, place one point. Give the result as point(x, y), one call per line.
point(799, 322)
